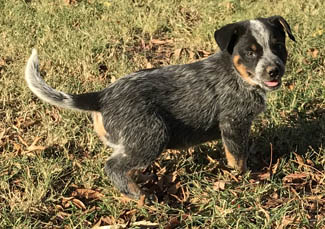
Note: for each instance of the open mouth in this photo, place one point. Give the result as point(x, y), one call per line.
point(272, 84)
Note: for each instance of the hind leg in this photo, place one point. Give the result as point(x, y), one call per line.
point(137, 150)
point(119, 169)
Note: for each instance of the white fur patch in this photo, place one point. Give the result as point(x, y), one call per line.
point(260, 33)
point(262, 36)
point(118, 149)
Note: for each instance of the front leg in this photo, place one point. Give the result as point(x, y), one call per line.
point(235, 137)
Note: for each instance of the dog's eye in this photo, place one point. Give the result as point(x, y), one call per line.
point(250, 54)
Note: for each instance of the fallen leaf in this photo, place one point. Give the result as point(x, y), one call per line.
point(79, 204)
point(264, 176)
point(291, 86)
point(34, 148)
point(62, 215)
point(66, 201)
point(299, 159)
point(108, 220)
point(219, 185)
point(173, 223)
point(294, 177)
point(87, 193)
point(97, 225)
point(310, 162)
point(59, 207)
point(286, 220)
point(313, 52)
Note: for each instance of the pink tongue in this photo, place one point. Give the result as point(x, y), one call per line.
point(271, 83)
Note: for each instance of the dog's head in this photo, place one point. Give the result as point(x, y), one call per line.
point(257, 48)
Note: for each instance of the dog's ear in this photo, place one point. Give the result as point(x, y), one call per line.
point(282, 24)
point(228, 35)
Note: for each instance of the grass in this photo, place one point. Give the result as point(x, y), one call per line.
point(51, 162)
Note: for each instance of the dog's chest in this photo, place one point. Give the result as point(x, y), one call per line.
point(241, 107)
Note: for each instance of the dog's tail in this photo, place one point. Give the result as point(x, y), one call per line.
point(85, 102)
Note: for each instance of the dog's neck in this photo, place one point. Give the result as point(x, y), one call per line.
point(228, 66)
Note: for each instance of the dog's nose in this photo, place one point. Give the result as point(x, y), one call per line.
point(273, 71)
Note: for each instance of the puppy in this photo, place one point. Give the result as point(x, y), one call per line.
point(173, 107)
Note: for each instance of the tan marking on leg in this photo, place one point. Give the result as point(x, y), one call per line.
point(242, 70)
point(99, 126)
point(132, 186)
point(236, 163)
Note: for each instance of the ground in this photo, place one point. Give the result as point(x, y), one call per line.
point(51, 162)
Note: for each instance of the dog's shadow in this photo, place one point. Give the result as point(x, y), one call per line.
point(304, 133)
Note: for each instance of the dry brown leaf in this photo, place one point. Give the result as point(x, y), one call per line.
point(313, 52)
point(97, 225)
point(286, 220)
point(109, 220)
point(59, 207)
point(79, 204)
point(34, 148)
point(17, 147)
point(219, 185)
point(320, 197)
point(310, 162)
point(291, 86)
point(87, 193)
point(299, 159)
point(272, 203)
point(66, 200)
point(173, 223)
point(293, 177)
point(62, 215)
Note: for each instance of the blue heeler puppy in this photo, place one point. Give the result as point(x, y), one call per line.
point(174, 107)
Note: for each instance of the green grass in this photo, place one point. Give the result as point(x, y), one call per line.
point(86, 45)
